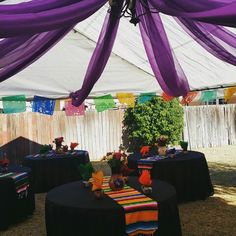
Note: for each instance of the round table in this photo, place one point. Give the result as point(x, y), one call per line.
point(12, 208)
point(73, 210)
point(187, 172)
point(51, 171)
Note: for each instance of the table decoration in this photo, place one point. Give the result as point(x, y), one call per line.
point(145, 151)
point(45, 149)
point(146, 182)
point(116, 162)
point(4, 163)
point(86, 171)
point(21, 182)
point(184, 146)
point(141, 213)
point(73, 146)
point(162, 145)
point(97, 181)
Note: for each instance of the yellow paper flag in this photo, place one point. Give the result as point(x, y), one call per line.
point(229, 92)
point(57, 105)
point(126, 98)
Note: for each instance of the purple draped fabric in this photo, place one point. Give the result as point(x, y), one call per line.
point(100, 55)
point(204, 34)
point(167, 71)
point(221, 12)
point(38, 45)
point(12, 25)
point(31, 28)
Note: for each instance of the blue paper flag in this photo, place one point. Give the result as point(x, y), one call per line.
point(145, 97)
point(43, 105)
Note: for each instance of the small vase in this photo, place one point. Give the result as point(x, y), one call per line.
point(98, 193)
point(146, 189)
point(116, 182)
point(86, 184)
point(162, 150)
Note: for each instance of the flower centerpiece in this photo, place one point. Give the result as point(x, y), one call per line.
point(4, 163)
point(162, 145)
point(58, 142)
point(116, 161)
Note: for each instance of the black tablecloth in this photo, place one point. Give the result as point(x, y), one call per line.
point(73, 210)
point(13, 209)
point(187, 172)
point(49, 172)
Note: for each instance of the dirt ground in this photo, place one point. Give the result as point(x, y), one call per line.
point(215, 216)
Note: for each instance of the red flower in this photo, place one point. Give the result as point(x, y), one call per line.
point(59, 140)
point(117, 155)
point(73, 145)
point(4, 162)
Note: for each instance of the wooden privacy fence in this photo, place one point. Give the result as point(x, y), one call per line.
point(24, 133)
point(210, 126)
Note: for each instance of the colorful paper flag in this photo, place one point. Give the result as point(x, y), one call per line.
point(145, 97)
point(207, 96)
point(57, 105)
point(189, 97)
point(43, 105)
point(166, 97)
point(126, 99)
point(72, 110)
point(14, 104)
point(229, 92)
point(103, 103)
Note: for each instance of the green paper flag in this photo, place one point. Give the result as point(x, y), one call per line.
point(145, 97)
point(207, 96)
point(14, 104)
point(103, 103)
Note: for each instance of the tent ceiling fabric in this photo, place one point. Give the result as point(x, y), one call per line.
point(61, 70)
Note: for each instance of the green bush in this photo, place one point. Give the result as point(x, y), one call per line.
point(144, 123)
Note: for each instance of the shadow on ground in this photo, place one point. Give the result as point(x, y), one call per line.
point(214, 216)
point(222, 174)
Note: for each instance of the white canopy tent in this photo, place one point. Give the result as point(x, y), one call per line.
point(62, 69)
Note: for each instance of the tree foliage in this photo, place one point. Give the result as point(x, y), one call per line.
point(144, 123)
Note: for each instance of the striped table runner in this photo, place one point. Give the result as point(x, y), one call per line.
point(141, 213)
point(147, 163)
point(20, 180)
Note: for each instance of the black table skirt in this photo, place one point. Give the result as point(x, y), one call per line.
point(48, 173)
point(13, 209)
point(73, 210)
point(187, 172)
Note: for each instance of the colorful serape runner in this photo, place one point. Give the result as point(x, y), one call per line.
point(21, 182)
point(147, 163)
point(141, 214)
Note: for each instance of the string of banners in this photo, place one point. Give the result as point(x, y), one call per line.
point(47, 106)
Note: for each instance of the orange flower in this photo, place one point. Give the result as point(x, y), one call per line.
point(145, 178)
point(144, 150)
